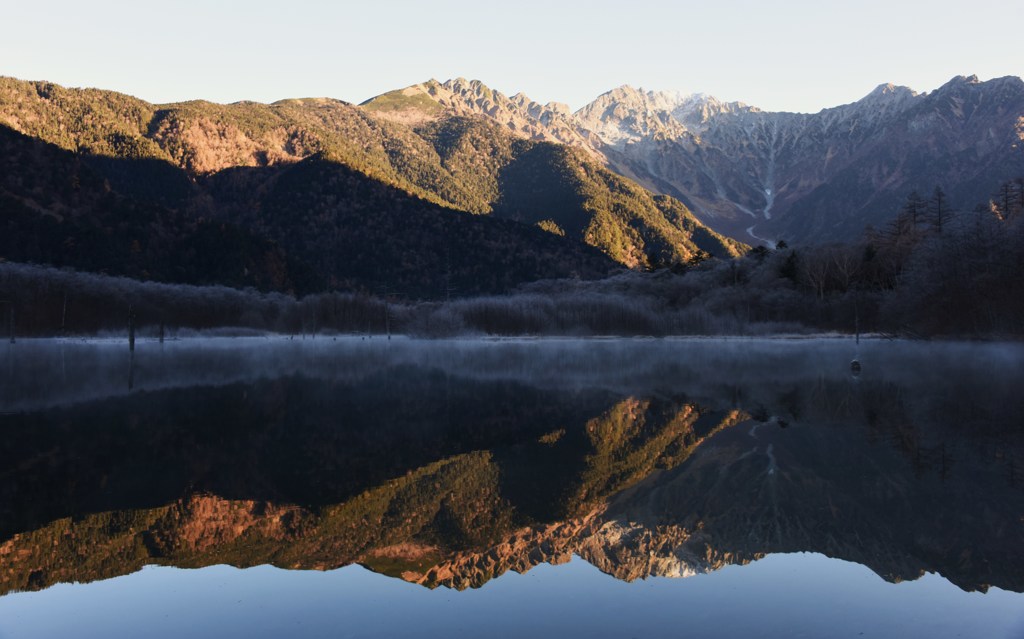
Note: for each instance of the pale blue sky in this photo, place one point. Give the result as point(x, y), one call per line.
point(796, 55)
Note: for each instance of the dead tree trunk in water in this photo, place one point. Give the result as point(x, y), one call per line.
point(131, 328)
point(12, 322)
point(64, 316)
point(162, 331)
point(387, 314)
point(856, 319)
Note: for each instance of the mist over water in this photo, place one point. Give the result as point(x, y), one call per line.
point(457, 463)
point(39, 373)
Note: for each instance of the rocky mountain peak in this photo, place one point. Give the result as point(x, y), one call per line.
point(626, 115)
point(957, 84)
point(521, 116)
point(751, 172)
point(632, 97)
point(696, 110)
point(559, 107)
point(884, 101)
point(464, 86)
point(624, 92)
point(1007, 87)
point(890, 91)
point(737, 165)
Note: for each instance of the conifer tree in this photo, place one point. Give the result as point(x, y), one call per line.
point(938, 209)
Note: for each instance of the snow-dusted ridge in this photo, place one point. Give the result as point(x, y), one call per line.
point(804, 176)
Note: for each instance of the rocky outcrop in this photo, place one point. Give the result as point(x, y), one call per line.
point(814, 177)
point(431, 100)
point(764, 176)
point(624, 551)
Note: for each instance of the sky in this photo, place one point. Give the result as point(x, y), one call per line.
point(780, 56)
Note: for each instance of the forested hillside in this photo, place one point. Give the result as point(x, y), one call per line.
point(319, 177)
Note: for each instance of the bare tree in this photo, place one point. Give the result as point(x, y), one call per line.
point(816, 266)
point(847, 263)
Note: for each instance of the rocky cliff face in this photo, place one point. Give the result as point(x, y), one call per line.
point(815, 177)
point(431, 100)
point(754, 174)
point(625, 551)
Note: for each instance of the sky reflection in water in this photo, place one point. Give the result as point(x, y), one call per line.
point(797, 595)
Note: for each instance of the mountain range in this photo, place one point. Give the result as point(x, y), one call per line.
point(753, 174)
point(307, 195)
point(453, 187)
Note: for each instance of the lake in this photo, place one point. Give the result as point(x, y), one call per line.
point(366, 487)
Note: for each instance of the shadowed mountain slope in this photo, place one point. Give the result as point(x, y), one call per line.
point(459, 162)
point(809, 178)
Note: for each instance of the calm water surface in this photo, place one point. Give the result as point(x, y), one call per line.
point(606, 488)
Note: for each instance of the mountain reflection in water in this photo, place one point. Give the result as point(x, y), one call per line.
point(450, 463)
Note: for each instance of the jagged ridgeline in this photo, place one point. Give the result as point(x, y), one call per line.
point(304, 195)
point(749, 173)
point(529, 162)
point(450, 479)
